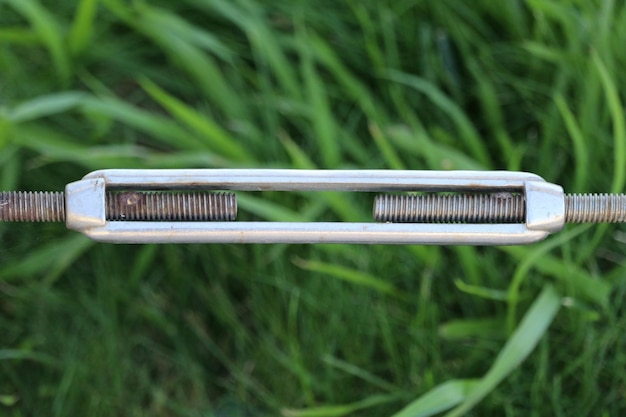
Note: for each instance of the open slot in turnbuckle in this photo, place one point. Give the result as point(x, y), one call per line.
point(490, 208)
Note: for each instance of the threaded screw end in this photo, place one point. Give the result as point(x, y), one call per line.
point(26, 206)
point(492, 208)
point(32, 206)
point(595, 208)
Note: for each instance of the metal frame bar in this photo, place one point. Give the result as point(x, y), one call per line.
point(85, 201)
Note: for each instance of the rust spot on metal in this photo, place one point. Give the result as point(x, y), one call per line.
point(130, 198)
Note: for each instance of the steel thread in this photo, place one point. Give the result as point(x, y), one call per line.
point(168, 206)
point(487, 208)
point(40, 206)
point(437, 208)
point(595, 208)
point(32, 206)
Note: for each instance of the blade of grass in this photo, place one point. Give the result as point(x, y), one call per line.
point(53, 146)
point(179, 42)
point(466, 130)
point(43, 106)
point(48, 260)
point(581, 282)
point(473, 328)
point(547, 53)
point(266, 45)
point(369, 30)
point(616, 109)
point(350, 275)
point(521, 343)
point(436, 155)
point(617, 113)
point(360, 373)
point(342, 409)
point(536, 256)
point(82, 26)
point(382, 141)
point(20, 354)
point(360, 95)
point(10, 168)
point(320, 112)
point(296, 363)
point(581, 153)
point(492, 108)
point(299, 158)
point(481, 291)
point(212, 134)
point(438, 399)
point(178, 27)
point(49, 31)
point(157, 127)
point(268, 210)
point(19, 35)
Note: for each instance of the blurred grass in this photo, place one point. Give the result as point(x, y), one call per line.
point(327, 330)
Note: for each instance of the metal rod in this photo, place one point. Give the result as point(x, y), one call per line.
point(42, 206)
point(436, 207)
point(27, 206)
point(595, 208)
point(494, 208)
point(168, 206)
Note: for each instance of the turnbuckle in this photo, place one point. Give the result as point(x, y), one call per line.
point(417, 207)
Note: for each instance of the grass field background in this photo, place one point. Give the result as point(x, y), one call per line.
point(328, 330)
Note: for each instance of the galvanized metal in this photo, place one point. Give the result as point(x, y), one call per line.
point(595, 208)
point(89, 217)
point(199, 206)
point(311, 180)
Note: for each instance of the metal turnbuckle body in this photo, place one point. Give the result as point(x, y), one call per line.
point(418, 207)
point(88, 210)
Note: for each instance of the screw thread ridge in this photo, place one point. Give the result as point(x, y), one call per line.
point(168, 206)
point(43, 206)
point(595, 208)
point(457, 208)
point(32, 206)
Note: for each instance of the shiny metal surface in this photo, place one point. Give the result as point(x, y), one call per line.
point(311, 180)
point(595, 208)
point(86, 207)
point(199, 206)
point(315, 232)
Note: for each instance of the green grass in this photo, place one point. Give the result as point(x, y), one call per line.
point(328, 330)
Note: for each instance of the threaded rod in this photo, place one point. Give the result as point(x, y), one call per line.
point(143, 206)
point(595, 208)
point(438, 208)
point(19, 206)
point(492, 208)
point(27, 206)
